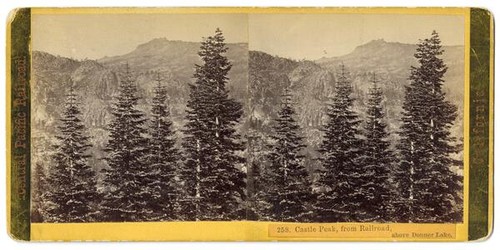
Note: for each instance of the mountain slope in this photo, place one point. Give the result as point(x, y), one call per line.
point(391, 62)
point(256, 80)
point(312, 86)
point(96, 82)
point(176, 60)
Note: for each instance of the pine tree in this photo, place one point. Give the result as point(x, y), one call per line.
point(377, 161)
point(429, 189)
point(289, 191)
point(341, 177)
point(216, 185)
point(129, 182)
point(72, 181)
point(162, 157)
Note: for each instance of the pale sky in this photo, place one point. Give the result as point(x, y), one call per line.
point(312, 36)
point(94, 36)
point(297, 36)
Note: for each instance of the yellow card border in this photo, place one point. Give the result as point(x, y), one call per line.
point(239, 230)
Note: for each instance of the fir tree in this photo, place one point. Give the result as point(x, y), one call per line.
point(289, 191)
point(162, 157)
point(129, 182)
point(255, 185)
point(72, 181)
point(38, 194)
point(216, 185)
point(259, 146)
point(429, 189)
point(377, 161)
point(255, 210)
point(341, 177)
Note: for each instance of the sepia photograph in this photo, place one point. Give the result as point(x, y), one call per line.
point(282, 117)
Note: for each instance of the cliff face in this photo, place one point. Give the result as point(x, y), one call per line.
point(312, 83)
point(257, 80)
point(392, 62)
point(96, 82)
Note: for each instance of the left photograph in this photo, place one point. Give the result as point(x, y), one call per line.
point(139, 117)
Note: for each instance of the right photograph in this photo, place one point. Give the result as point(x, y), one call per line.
point(355, 118)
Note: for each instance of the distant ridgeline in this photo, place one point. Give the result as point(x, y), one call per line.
point(187, 131)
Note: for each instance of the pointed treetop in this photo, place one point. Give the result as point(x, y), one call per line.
point(373, 78)
point(435, 40)
point(434, 35)
point(342, 68)
point(429, 47)
point(160, 89)
point(343, 73)
point(128, 72)
point(127, 68)
point(218, 31)
point(71, 96)
point(286, 97)
point(158, 78)
point(219, 37)
point(71, 85)
point(375, 81)
point(375, 88)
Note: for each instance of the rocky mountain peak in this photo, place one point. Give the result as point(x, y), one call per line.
point(375, 42)
point(159, 44)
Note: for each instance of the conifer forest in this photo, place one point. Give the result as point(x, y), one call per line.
point(213, 131)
